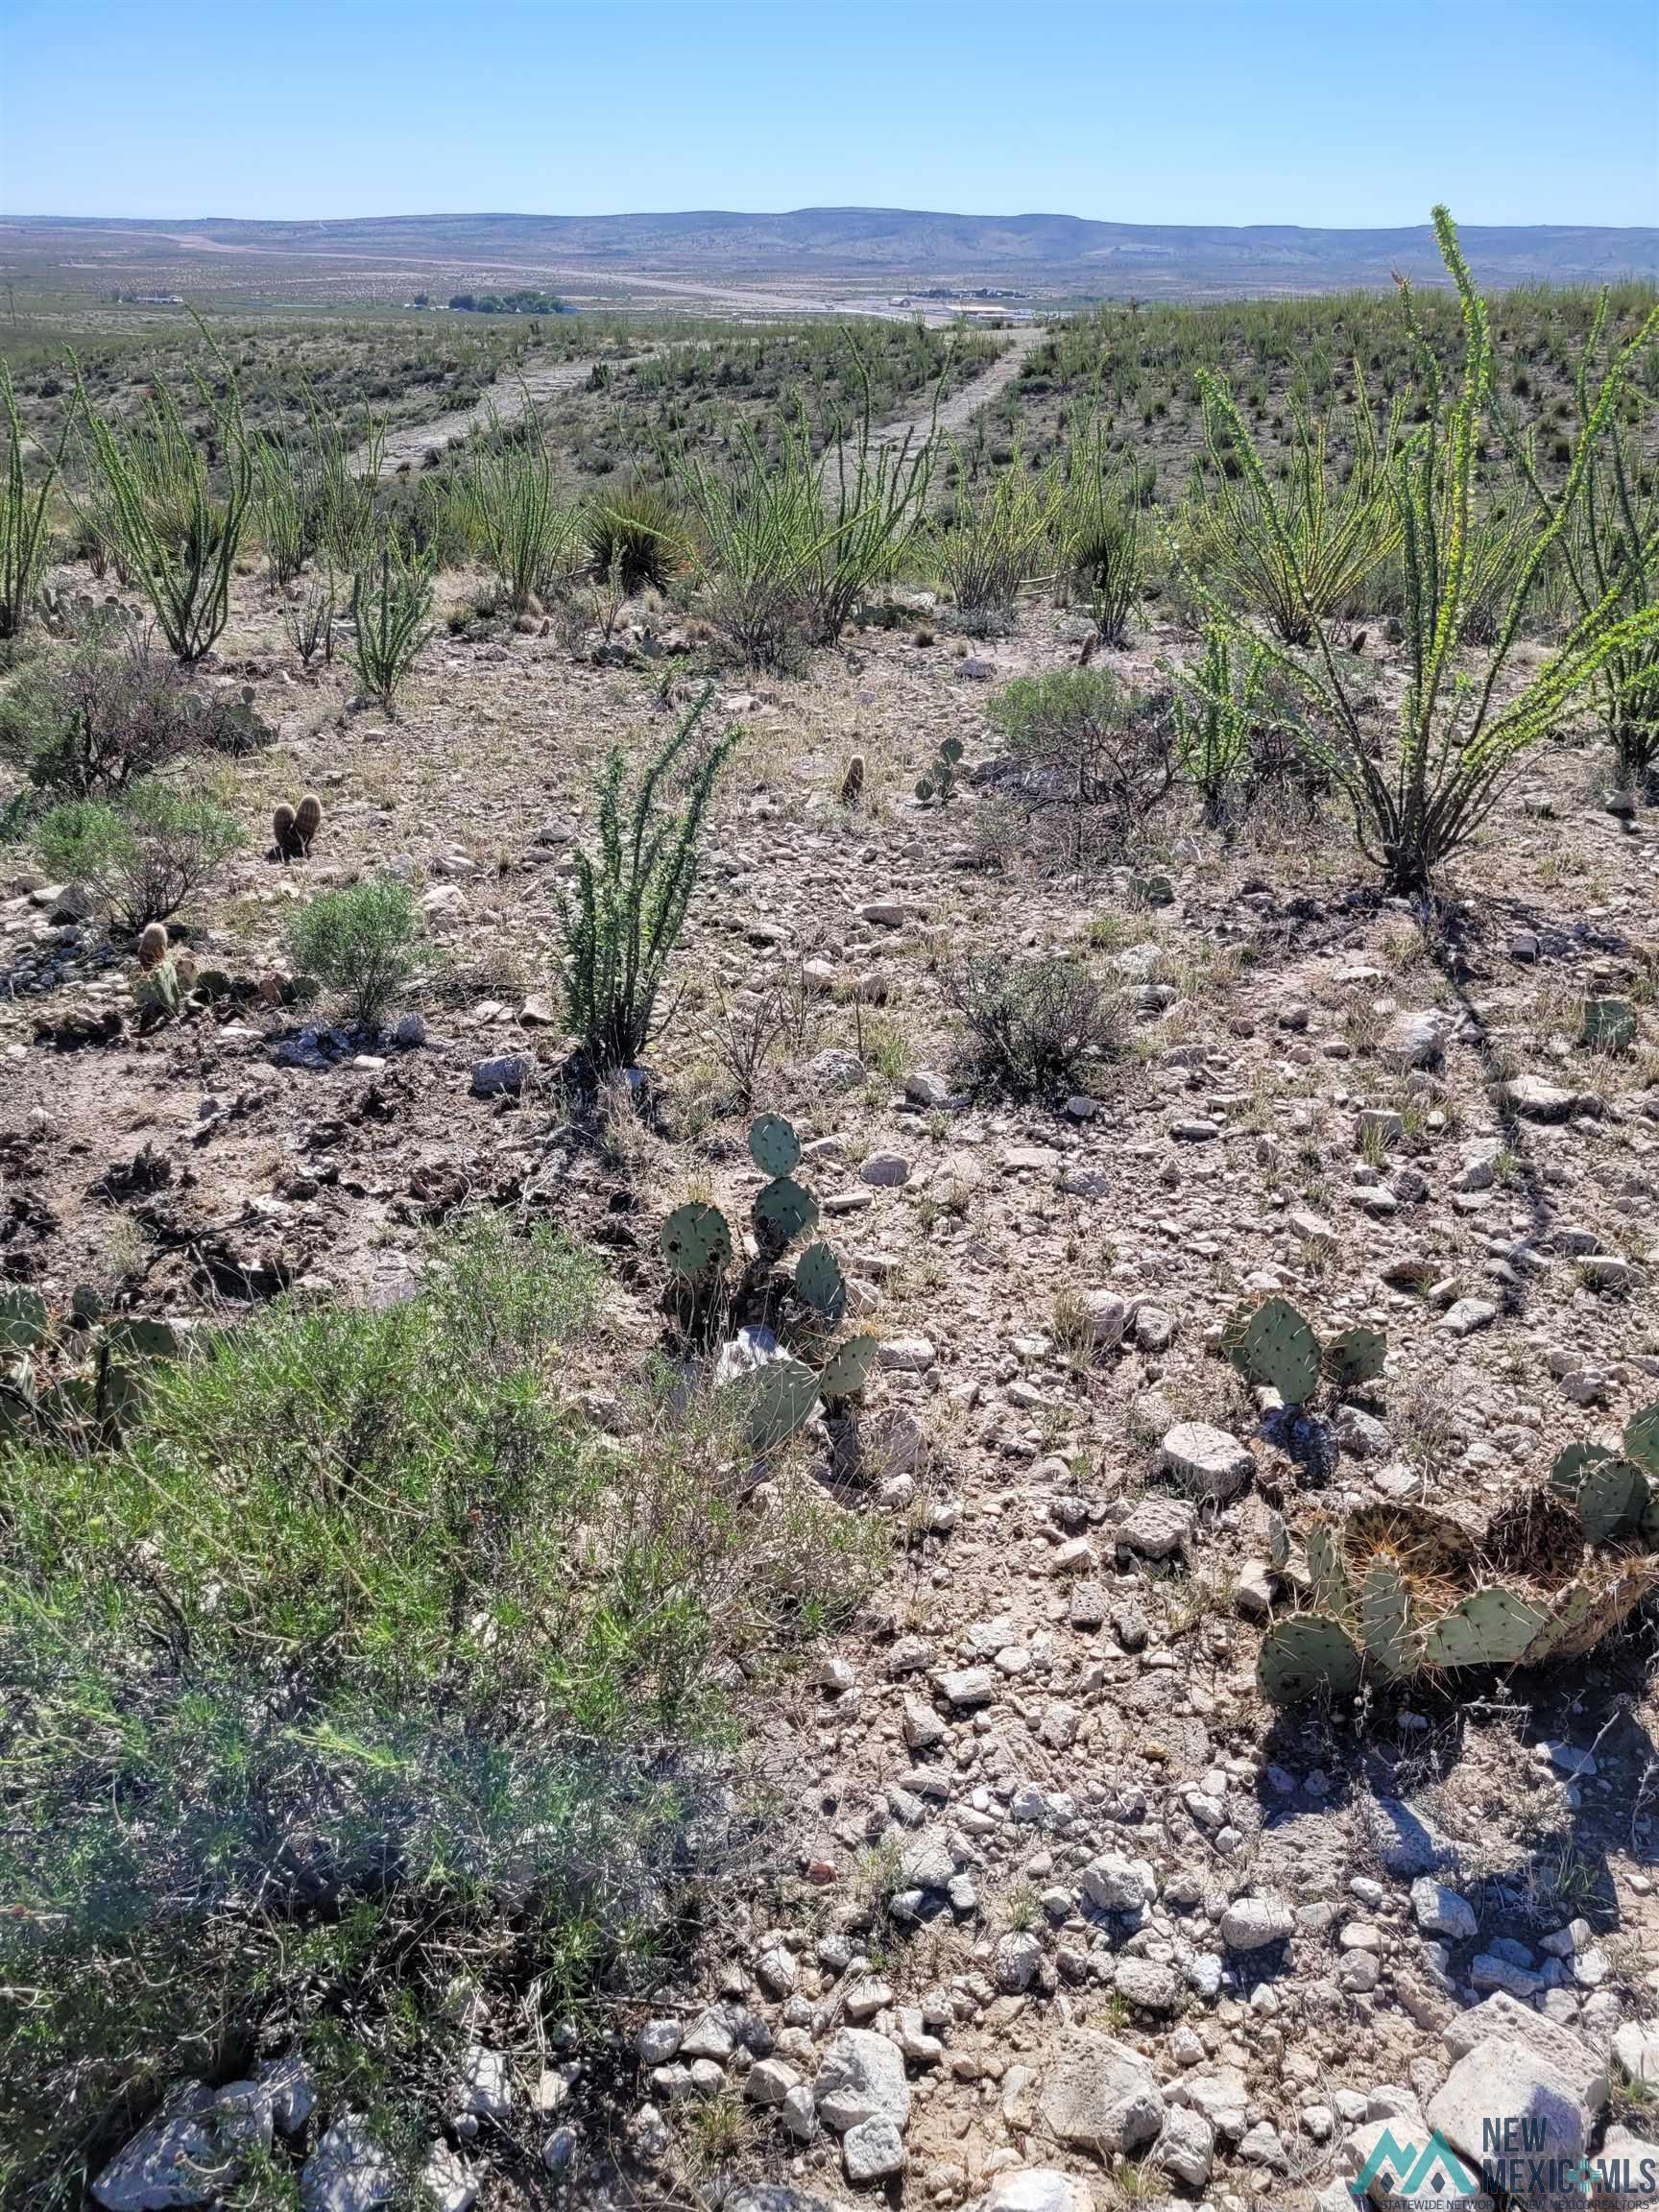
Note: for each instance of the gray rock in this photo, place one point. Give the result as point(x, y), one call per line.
point(1534, 1100)
point(1405, 1841)
point(176, 2160)
point(1099, 2095)
point(347, 2171)
point(966, 1686)
point(1018, 1959)
point(657, 2041)
point(861, 2077)
point(1441, 1912)
point(1636, 2046)
point(1257, 1923)
point(1207, 1462)
point(1467, 1314)
point(1187, 2147)
point(1037, 2189)
point(1220, 2095)
point(288, 2085)
point(503, 1077)
point(450, 2182)
point(1147, 1984)
point(871, 2151)
point(771, 2196)
point(1502, 2015)
point(1107, 1317)
point(885, 1170)
point(923, 1087)
point(837, 1069)
point(1156, 1526)
point(1417, 1040)
point(1116, 1884)
point(1501, 2081)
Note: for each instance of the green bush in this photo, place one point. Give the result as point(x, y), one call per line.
point(1088, 744)
point(363, 942)
point(363, 1664)
point(142, 854)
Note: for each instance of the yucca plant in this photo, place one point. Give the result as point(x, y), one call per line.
point(528, 531)
point(758, 530)
point(634, 534)
point(1608, 552)
point(22, 517)
point(1297, 566)
point(171, 533)
point(630, 900)
point(1417, 802)
point(391, 600)
point(877, 495)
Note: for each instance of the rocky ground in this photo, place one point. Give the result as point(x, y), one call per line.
point(1066, 1913)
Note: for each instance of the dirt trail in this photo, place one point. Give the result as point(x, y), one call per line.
point(508, 398)
point(510, 395)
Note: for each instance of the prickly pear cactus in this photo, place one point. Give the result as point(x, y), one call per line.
point(140, 1336)
point(820, 1282)
point(1327, 1577)
point(1490, 1627)
point(1609, 1025)
point(1613, 1499)
point(1354, 1358)
point(1277, 1347)
point(782, 1396)
point(774, 1146)
point(1387, 1620)
point(1642, 1440)
point(939, 782)
point(1567, 1474)
point(847, 1369)
point(1306, 1657)
point(23, 1318)
point(696, 1240)
point(783, 1210)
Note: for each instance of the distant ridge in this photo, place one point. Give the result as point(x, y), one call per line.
point(877, 244)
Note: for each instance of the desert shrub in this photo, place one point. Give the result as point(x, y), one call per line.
point(631, 900)
point(1076, 738)
point(142, 854)
point(23, 517)
point(93, 723)
point(310, 622)
point(1033, 1027)
point(1419, 800)
point(391, 600)
point(996, 539)
point(357, 1727)
point(526, 528)
point(1219, 710)
point(758, 529)
point(363, 942)
point(1329, 532)
point(634, 533)
point(154, 504)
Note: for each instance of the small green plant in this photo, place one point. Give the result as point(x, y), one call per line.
point(141, 856)
point(363, 942)
point(310, 622)
point(23, 515)
point(1088, 745)
point(630, 900)
point(390, 601)
point(1617, 1491)
point(93, 724)
point(1100, 533)
point(997, 538)
point(635, 533)
point(938, 782)
point(527, 530)
point(1270, 1343)
point(1218, 707)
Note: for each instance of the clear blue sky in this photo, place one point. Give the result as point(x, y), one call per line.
point(1314, 112)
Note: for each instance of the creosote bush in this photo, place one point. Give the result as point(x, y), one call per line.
point(142, 854)
point(93, 723)
point(365, 942)
point(1078, 740)
point(1034, 1026)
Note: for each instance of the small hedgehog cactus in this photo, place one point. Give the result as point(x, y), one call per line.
point(852, 782)
point(285, 837)
point(153, 945)
point(307, 821)
point(1272, 1344)
point(294, 829)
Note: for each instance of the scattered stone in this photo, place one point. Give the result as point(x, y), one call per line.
point(1206, 1460)
point(1257, 1923)
point(1100, 2096)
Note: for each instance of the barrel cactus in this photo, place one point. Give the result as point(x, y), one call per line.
point(1408, 1594)
point(307, 821)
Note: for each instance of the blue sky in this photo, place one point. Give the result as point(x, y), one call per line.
point(1314, 111)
